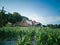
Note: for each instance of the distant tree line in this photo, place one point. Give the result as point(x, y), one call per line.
point(9, 17)
point(52, 25)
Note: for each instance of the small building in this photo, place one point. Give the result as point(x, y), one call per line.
point(26, 22)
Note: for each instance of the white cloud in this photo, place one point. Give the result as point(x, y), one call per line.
point(44, 20)
point(38, 18)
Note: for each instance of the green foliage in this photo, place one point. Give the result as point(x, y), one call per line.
point(12, 18)
point(31, 35)
point(53, 26)
point(16, 17)
point(3, 19)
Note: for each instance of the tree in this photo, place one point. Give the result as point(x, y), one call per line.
point(39, 24)
point(58, 25)
point(50, 25)
point(9, 17)
point(44, 25)
point(3, 19)
point(15, 17)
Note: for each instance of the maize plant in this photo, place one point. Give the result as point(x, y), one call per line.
point(31, 35)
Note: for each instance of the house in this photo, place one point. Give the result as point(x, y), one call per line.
point(26, 22)
point(34, 23)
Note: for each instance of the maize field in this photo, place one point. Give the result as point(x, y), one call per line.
point(31, 35)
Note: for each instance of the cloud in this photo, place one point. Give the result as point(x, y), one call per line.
point(44, 20)
point(47, 20)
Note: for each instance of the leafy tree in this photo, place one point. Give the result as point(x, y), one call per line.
point(9, 17)
point(3, 19)
point(15, 17)
point(50, 25)
point(53, 26)
point(44, 25)
point(39, 24)
point(58, 25)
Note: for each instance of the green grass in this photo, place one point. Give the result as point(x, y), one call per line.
point(39, 35)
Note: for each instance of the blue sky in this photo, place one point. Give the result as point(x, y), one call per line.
point(44, 11)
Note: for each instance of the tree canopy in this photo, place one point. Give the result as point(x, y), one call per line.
point(9, 17)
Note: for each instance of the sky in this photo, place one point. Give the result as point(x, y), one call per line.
point(43, 11)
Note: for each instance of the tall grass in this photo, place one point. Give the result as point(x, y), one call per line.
point(31, 35)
